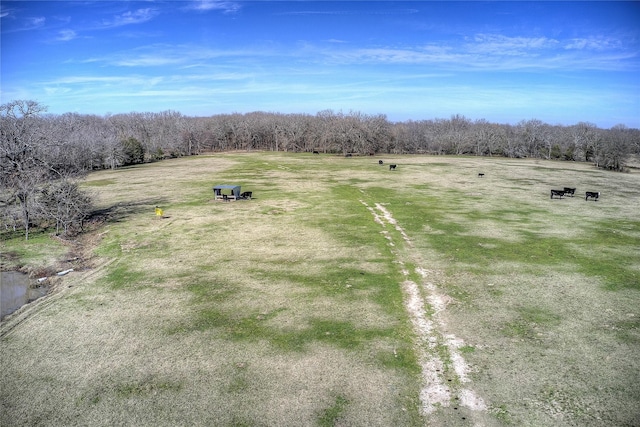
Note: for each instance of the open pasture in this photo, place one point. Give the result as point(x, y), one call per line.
point(344, 293)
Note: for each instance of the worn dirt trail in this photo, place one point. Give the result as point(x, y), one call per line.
point(437, 349)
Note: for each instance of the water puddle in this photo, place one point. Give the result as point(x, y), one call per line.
point(16, 290)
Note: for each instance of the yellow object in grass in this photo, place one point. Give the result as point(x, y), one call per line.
point(159, 211)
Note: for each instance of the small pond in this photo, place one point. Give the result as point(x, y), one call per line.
point(15, 291)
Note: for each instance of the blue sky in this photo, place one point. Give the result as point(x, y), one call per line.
point(560, 62)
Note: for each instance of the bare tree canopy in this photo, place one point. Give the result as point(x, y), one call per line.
point(33, 155)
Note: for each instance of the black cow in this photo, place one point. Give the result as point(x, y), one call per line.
point(380, 162)
point(480, 174)
point(557, 193)
point(246, 195)
point(348, 155)
point(593, 194)
point(569, 191)
point(392, 167)
point(315, 152)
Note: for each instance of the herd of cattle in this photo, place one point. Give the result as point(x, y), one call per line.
point(391, 167)
point(567, 191)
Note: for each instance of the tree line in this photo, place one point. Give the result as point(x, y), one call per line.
point(42, 155)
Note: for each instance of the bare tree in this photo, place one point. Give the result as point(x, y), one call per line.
point(489, 138)
point(615, 152)
point(165, 130)
point(377, 132)
point(532, 136)
point(458, 135)
point(324, 122)
point(21, 155)
point(581, 135)
point(403, 136)
point(37, 160)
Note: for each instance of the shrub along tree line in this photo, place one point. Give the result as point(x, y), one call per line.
point(39, 149)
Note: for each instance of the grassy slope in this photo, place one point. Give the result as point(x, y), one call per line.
point(287, 309)
point(545, 292)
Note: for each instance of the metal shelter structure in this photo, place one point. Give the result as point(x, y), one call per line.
point(230, 191)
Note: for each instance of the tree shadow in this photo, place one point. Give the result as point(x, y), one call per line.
point(121, 211)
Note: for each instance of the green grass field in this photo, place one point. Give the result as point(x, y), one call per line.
point(342, 294)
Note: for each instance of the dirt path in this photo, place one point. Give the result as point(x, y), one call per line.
point(425, 304)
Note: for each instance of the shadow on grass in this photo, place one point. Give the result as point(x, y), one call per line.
point(121, 211)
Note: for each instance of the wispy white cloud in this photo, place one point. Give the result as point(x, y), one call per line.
point(63, 19)
point(163, 54)
point(88, 80)
point(137, 81)
point(481, 53)
point(497, 44)
point(493, 52)
point(397, 56)
point(12, 23)
point(371, 11)
point(34, 22)
point(130, 17)
point(148, 61)
point(207, 5)
point(594, 43)
point(66, 35)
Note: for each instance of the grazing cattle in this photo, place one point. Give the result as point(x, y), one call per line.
point(348, 155)
point(557, 193)
point(480, 174)
point(392, 167)
point(593, 194)
point(225, 198)
point(380, 162)
point(246, 195)
point(315, 152)
point(569, 191)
